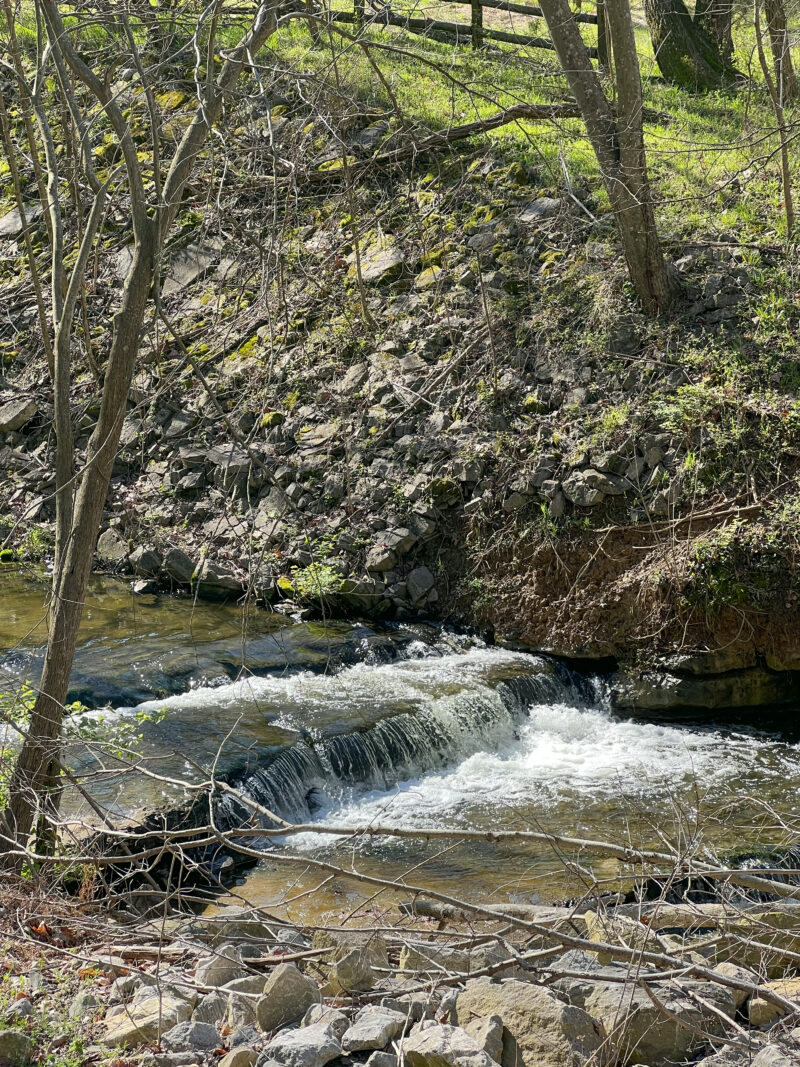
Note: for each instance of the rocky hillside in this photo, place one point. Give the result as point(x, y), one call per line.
point(423, 390)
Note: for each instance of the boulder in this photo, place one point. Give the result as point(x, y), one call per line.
point(382, 261)
point(419, 583)
point(288, 994)
point(16, 1048)
point(211, 1008)
point(539, 1030)
point(216, 581)
point(224, 966)
point(11, 225)
point(145, 1020)
point(488, 1033)
point(179, 567)
point(111, 548)
point(351, 974)
point(336, 1021)
point(310, 1046)
point(243, 1056)
point(761, 1011)
point(192, 1037)
point(639, 1031)
point(580, 492)
point(15, 413)
point(444, 1046)
point(146, 561)
point(373, 1028)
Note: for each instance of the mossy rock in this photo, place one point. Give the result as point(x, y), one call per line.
point(271, 419)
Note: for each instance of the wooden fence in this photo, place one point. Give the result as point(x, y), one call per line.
point(474, 32)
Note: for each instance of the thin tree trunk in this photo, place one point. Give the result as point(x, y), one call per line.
point(686, 52)
point(619, 151)
point(602, 37)
point(786, 82)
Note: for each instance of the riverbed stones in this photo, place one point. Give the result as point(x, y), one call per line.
point(243, 1056)
point(444, 1046)
point(310, 1046)
point(288, 994)
point(192, 1037)
point(146, 561)
point(539, 1030)
point(15, 413)
point(373, 1028)
point(178, 566)
point(658, 1034)
point(15, 1048)
point(223, 966)
point(145, 1020)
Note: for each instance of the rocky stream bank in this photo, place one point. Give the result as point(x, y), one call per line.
point(239, 988)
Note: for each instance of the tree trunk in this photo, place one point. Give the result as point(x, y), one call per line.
point(619, 150)
point(716, 18)
point(686, 52)
point(602, 37)
point(786, 83)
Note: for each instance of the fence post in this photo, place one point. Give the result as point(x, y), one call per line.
point(477, 23)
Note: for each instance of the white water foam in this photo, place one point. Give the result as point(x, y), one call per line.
point(571, 755)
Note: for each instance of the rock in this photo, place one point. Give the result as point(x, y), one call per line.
point(351, 974)
point(419, 583)
point(216, 581)
point(83, 1004)
point(16, 1048)
point(543, 207)
point(189, 263)
point(145, 1020)
point(20, 1009)
point(243, 1056)
point(179, 567)
point(444, 1046)
point(221, 968)
point(539, 1029)
point(373, 1028)
point(11, 223)
point(640, 1032)
point(146, 561)
point(761, 1011)
point(111, 548)
point(211, 1008)
point(336, 1021)
point(310, 1046)
point(192, 1037)
point(382, 1059)
point(380, 558)
point(244, 1035)
point(379, 262)
point(774, 1056)
point(15, 413)
point(730, 970)
point(578, 491)
point(288, 994)
point(488, 1033)
point(241, 1011)
point(423, 956)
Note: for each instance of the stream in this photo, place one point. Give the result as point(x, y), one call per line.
point(412, 726)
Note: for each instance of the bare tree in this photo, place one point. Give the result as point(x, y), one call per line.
point(618, 142)
point(786, 84)
point(153, 208)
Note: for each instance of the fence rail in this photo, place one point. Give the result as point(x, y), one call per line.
point(474, 32)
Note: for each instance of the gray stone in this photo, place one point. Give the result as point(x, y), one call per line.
point(15, 1048)
point(775, 1056)
point(380, 558)
point(288, 994)
point(241, 1011)
point(382, 260)
point(373, 1028)
point(244, 1035)
point(488, 1033)
point(211, 1008)
point(419, 583)
point(15, 413)
point(224, 966)
point(145, 1020)
point(543, 207)
point(382, 1059)
point(310, 1046)
point(336, 1021)
point(83, 1004)
point(214, 579)
point(539, 1029)
point(352, 973)
point(243, 1056)
point(189, 263)
point(192, 1037)
point(11, 223)
point(146, 561)
point(179, 567)
point(111, 548)
point(444, 1046)
point(578, 491)
point(20, 1009)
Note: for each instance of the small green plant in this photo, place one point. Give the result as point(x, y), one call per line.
point(315, 581)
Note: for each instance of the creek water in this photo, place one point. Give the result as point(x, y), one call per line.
point(344, 724)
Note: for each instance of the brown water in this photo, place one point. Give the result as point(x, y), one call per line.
point(343, 725)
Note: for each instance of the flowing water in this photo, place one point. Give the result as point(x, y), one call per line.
point(408, 727)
